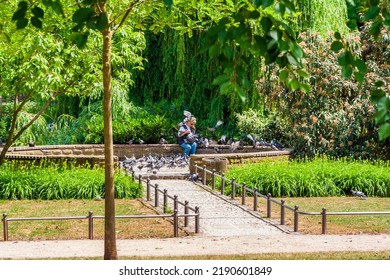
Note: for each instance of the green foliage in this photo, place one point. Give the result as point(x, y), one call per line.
point(267, 127)
point(322, 16)
point(318, 177)
point(376, 13)
point(336, 117)
point(61, 181)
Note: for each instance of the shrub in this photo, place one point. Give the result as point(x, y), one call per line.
point(319, 177)
point(61, 181)
point(336, 117)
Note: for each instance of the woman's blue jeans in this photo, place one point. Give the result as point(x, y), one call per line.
point(189, 149)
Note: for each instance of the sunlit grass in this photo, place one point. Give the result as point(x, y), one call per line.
point(78, 229)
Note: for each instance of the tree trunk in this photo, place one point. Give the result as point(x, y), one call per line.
point(110, 250)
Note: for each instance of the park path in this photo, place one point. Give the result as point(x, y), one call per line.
point(226, 229)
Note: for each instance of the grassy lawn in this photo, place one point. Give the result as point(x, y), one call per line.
point(344, 224)
point(161, 228)
point(78, 229)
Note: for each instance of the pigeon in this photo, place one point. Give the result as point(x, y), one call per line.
point(218, 124)
point(206, 143)
point(222, 140)
point(163, 141)
point(193, 177)
point(234, 146)
point(188, 115)
point(277, 145)
point(141, 141)
point(359, 194)
point(253, 140)
point(130, 141)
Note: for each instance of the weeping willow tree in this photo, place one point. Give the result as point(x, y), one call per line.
point(322, 16)
point(180, 74)
point(179, 71)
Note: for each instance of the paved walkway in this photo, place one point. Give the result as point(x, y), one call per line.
point(219, 216)
point(226, 228)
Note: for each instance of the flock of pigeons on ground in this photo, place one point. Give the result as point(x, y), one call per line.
point(153, 163)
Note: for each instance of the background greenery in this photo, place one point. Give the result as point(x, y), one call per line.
point(158, 75)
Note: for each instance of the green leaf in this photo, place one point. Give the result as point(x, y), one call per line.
point(295, 84)
point(22, 5)
point(57, 7)
point(220, 80)
point(345, 58)
point(372, 13)
point(257, 3)
point(305, 87)
point(384, 103)
point(376, 95)
point(292, 60)
point(90, 2)
point(346, 71)
point(260, 44)
point(79, 39)
point(241, 93)
point(267, 3)
point(361, 65)
point(20, 13)
point(303, 73)
point(283, 46)
point(36, 22)
point(280, 8)
point(101, 21)
point(337, 36)
point(228, 52)
point(47, 3)
point(168, 2)
point(254, 14)
point(384, 131)
point(375, 29)
point(38, 12)
point(214, 50)
point(82, 15)
point(283, 75)
point(266, 24)
point(336, 46)
point(379, 83)
point(91, 24)
point(297, 51)
point(21, 23)
point(226, 88)
point(358, 77)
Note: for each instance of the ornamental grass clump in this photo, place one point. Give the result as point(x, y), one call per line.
point(314, 178)
point(61, 181)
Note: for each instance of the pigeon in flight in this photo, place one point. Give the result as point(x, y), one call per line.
point(188, 114)
point(218, 124)
point(234, 146)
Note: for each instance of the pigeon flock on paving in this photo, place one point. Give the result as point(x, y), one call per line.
point(153, 163)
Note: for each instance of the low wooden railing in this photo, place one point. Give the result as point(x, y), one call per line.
point(269, 200)
point(174, 216)
point(162, 196)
